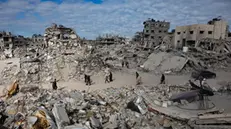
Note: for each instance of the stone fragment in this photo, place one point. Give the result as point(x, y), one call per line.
point(95, 123)
point(60, 115)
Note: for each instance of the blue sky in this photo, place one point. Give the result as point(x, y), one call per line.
point(91, 18)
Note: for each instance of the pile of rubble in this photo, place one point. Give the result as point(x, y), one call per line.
point(171, 61)
point(60, 35)
point(109, 108)
point(63, 64)
point(115, 54)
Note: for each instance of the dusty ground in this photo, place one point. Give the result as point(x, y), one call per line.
point(123, 78)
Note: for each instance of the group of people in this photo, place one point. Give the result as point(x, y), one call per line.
point(108, 79)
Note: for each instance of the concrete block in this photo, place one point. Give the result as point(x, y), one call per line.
point(157, 102)
point(60, 115)
point(75, 127)
point(95, 123)
point(165, 104)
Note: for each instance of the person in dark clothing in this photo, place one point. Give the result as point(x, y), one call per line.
point(85, 78)
point(107, 79)
point(110, 77)
point(162, 79)
point(138, 79)
point(127, 64)
point(137, 75)
point(122, 63)
point(54, 85)
point(88, 80)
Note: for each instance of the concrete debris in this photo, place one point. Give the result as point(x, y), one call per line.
point(70, 110)
point(60, 35)
point(61, 54)
point(165, 62)
point(60, 115)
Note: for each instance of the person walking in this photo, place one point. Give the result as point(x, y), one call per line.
point(88, 80)
point(107, 75)
point(54, 85)
point(138, 79)
point(162, 79)
point(137, 75)
point(110, 76)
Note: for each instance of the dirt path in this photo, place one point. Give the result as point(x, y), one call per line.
point(128, 79)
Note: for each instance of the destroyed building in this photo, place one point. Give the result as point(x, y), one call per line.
point(138, 37)
point(154, 32)
point(60, 35)
point(190, 34)
point(9, 41)
point(37, 38)
point(20, 41)
point(110, 39)
point(6, 40)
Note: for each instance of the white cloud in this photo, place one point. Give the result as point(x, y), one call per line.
point(123, 17)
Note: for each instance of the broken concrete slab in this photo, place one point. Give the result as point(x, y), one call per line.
point(95, 123)
point(165, 62)
point(75, 127)
point(60, 115)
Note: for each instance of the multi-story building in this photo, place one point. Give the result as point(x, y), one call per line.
point(110, 39)
point(9, 41)
point(190, 34)
point(37, 38)
point(6, 40)
point(59, 34)
point(154, 32)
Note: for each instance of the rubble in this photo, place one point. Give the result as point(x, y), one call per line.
point(64, 56)
point(79, 109)
point(60, 35)
point(165, 62)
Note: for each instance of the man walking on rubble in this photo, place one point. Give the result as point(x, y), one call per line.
point(87, 77)
point(54, 85)
point(88, 80)
point(107, 75)
point(127, 64)
point(138, 79)
point(137, 75)
point(162, 79)
point(122, 63)
point(110, 77)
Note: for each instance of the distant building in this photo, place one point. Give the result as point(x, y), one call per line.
point(59, 34)
point(190, 34)
point(154, 32)
point(109, 39)
point(138, 37)
point(20, 41)
point(6, 40)
point(9, 41)
point(37, 38)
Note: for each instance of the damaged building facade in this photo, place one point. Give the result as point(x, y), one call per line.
point(110, 39)
point(60, 35)
point(6, 40)
point(187, 36)
point(37, 38)
point(9, 41)
point(154, 32)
